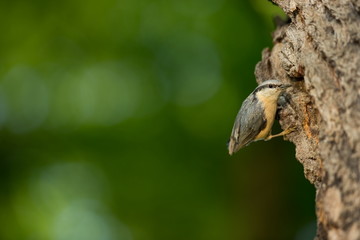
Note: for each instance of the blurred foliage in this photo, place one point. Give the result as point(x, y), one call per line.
point(114, 120)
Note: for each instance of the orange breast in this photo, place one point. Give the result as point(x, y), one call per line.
point(270, 107)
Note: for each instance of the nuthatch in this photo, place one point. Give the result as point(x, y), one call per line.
point(256, 116)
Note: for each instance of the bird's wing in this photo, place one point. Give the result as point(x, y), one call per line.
point(249, 122)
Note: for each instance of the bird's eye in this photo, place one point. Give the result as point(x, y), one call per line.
point(271, 86)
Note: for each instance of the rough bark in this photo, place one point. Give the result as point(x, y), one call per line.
point(318, 51)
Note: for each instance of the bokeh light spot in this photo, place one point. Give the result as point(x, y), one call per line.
point(101, 94)
point(84, 220)
point(68, 201)
point(27, 97)
point(190, 65)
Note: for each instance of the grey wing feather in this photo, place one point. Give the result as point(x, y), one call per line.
point(249, 122)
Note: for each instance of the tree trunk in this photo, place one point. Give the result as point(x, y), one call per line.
point(318, 51)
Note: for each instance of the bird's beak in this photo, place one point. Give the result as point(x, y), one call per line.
point(284, 86)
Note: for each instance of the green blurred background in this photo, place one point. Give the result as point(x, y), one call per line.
point(114, 120)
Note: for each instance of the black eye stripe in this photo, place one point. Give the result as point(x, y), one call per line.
point(270, 85)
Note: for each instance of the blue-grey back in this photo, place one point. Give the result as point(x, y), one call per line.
point(249, 121)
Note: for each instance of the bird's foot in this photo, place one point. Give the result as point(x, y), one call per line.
point(285, 132)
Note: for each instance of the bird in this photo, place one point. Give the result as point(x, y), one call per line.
point(256, 116)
